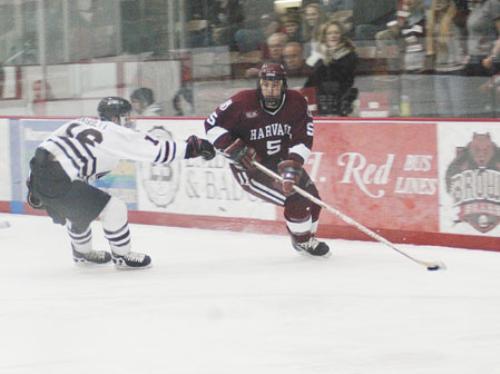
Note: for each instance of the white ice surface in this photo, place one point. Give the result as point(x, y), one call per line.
point(217, 302)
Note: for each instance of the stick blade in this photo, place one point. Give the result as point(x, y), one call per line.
point(436, 266)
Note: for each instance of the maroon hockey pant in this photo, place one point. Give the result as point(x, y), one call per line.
point(297, 207)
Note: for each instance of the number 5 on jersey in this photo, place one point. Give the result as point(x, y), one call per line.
point(273, 146)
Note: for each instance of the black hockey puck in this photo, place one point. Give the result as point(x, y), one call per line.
point(433, 268)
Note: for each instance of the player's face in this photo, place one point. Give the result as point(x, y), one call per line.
point(271, 88)
point(271, 92)
point(124, 120)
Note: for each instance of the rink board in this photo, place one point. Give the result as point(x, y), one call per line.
point(412, 181)
point(5, 185)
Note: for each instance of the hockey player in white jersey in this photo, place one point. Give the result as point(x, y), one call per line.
point(83, 150)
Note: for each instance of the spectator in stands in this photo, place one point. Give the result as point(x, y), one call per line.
point(183, 100)
point(403, 44)
point(446, 51)
point(291, 27)
point(273, 53)
point(275, 44)
point(331, 6)
point(226, 17)
point(483, 26)
point(407, 32)
point(198, 33)
point(460, 19)
point(249, 40)
point(293, 58)
point(333, 75)
point(313, 18)
point(345, 17)
point(143, 103)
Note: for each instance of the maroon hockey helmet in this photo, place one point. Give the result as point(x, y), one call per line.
point(272, 72)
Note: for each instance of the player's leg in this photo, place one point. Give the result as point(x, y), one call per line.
point(81, 245)
point(81, 205)
point(301, 216)
point(114, 219)
point(64, 201)
point(259, 185)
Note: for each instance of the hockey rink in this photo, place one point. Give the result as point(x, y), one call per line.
point(217, 302)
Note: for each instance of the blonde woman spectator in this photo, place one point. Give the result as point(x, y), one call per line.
point(333, 75)
point(447, 55)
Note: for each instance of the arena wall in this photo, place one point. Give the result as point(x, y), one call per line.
point(412, 181)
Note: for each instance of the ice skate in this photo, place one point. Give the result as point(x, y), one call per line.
point(131, 260)
point(312, 247)
point(91, 258)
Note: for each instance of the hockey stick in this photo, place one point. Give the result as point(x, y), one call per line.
point(429, 265)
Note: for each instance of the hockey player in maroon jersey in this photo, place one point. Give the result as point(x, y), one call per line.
point(272, 125)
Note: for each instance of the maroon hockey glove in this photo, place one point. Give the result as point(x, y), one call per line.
point(240, 153)
point(199, 147)
point(290, 171)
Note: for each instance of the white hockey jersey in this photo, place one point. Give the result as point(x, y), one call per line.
point(88, 148)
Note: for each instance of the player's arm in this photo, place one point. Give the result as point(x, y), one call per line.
point(302, 135)
point(221, 128)
point(220, 123)
point(139, 146)
point(299, 150)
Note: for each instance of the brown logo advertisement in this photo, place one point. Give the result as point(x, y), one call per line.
point(473, 182)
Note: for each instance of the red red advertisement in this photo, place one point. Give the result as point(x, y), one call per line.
point(382, 175)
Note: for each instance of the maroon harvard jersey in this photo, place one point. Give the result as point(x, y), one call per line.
point(285, 131)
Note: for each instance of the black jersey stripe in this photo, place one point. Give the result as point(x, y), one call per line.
point(77, 153)
point(92, 158)
point(68, 156)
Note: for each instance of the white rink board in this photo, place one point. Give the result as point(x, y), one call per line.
point(5, 178)
point(453, 135)
point(195, 187)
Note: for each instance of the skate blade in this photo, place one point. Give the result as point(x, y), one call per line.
point(128, 268)
point(318, 258)
point(89, 264)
